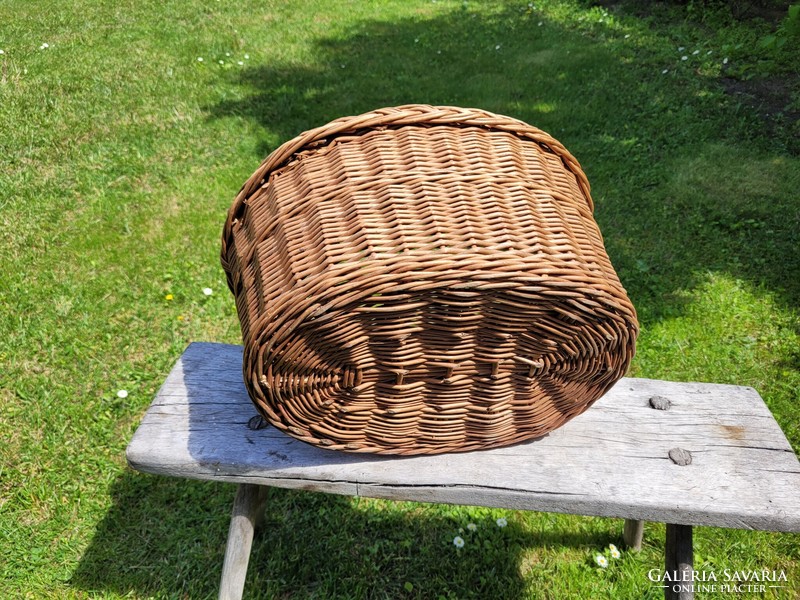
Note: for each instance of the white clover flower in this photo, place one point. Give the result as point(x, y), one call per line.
point(696, 52)
point(1, 51)
point(44, 46)
point(541, 23)
point(681, 49)
point(222, 62)
point(227, 54)
point(709, 52)
point(684, 57)
point(416, 40)
point(665, 71)
point(627, 35)
point(199, 59)
point(122, 394)
point(501, 522)
point(725, 61)
point(240, 63)
point(207, 291)
point(601, 561)
point(246, 56)
point(458, 541)
point(472, 527)
point(497, 47)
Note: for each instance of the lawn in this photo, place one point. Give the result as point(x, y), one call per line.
point(121, 150)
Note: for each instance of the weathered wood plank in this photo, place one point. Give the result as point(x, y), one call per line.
point(611, 461)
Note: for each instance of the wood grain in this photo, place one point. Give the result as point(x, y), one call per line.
point(632, 534)
point(612, 461)
point(247, 507)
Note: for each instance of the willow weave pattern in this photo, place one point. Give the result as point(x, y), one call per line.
point(423, 279)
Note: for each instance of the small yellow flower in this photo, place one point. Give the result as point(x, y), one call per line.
point(169, 297)
point(180, 317)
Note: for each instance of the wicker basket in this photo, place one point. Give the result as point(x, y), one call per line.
point(423, 279)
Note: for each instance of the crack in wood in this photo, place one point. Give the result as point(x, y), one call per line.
point(466, 486)
point(789, 450)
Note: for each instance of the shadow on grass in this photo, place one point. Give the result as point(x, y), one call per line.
point(681, 185)
point(161, 537)
point(166, 538)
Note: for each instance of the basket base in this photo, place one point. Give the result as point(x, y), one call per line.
point(437, 370)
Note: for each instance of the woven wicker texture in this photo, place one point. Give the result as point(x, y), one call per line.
point(423, 279)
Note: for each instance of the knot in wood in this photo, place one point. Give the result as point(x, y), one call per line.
point(680, 456)
point(660, 403)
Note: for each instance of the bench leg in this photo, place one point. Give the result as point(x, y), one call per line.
point(679, 562)
point(632, 534)
point(247, 507)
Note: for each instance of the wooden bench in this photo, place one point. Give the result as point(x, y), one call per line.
point(680, 453)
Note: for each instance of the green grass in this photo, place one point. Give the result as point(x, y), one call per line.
point(120, 154)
